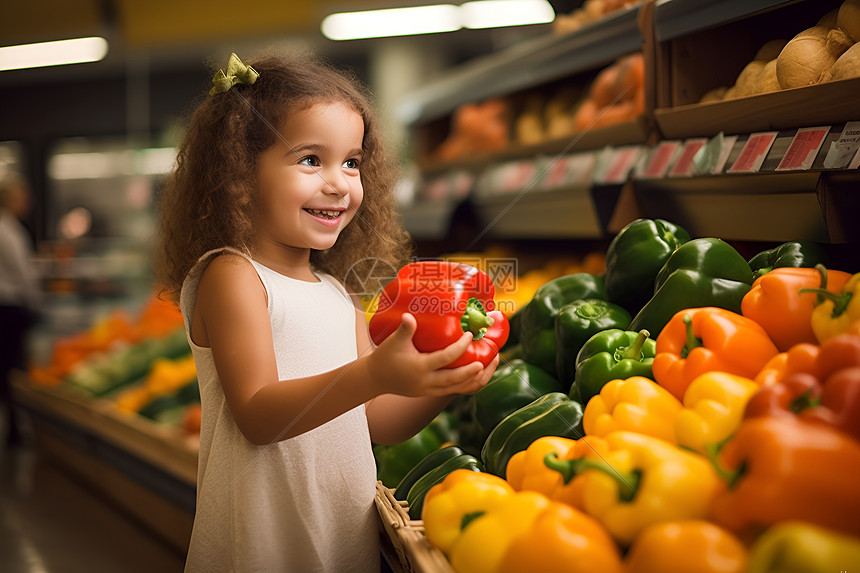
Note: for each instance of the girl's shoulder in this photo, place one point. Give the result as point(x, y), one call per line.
point(228, 274)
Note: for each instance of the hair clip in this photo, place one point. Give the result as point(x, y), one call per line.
point(237, 73)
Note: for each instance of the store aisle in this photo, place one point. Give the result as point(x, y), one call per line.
point(49, 523)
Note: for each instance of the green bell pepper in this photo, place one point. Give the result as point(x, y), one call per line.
point(553, 414)
point(613, 354)
point(792, 254)
point(415, 497)
point(701, 272)
point(431, 461)
point(394, 462)
point(635, 256)
point(575, 323)
point(512, 386)
point(537, 325)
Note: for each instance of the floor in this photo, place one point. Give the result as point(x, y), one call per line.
point(50, 523)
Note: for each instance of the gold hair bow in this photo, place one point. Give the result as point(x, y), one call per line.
point(237, 73)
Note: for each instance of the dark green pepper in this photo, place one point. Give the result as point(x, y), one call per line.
point(792, 254)
point(635, 256)
point(415, 497)
point(394, 462)
point(575, 323)
point(513, 385)
point(553, 414)
point(433, 460)
point(701, 272)
point(610, 355)
point(537, 325)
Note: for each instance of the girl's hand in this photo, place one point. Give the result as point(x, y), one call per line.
point(400, 368)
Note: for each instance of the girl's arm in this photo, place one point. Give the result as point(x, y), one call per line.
point(394, 418)
point(230, 317)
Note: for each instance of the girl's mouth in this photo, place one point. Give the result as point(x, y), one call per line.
point(324, 213)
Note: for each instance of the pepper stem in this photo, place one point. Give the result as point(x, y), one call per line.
point(475, 319)
point(628, 482)
point(730, 477)
point(692, 341)
point(804, 401)
point(634, 351)
point(840, 301)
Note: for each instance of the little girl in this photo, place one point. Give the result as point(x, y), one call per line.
point(280, 192)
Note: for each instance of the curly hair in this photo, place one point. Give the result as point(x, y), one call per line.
point(210, 199)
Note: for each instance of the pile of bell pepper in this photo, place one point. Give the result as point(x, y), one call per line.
point(688, 410)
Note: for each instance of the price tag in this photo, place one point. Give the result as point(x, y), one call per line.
point(556, 173)
point(685, 167)
point(754, 152)
point(620, 164)
point(661, 158)
point(580, 166)
point(855, 163)
point(803, 148)
point(843, 149)
point(516, 176)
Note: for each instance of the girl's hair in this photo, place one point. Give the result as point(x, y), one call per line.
point(210, 200)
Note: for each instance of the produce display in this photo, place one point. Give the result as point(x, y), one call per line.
point(712, 425)
point(615, 95)
point(825, 52)
point(141, 365)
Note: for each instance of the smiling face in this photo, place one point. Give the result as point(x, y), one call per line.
point(309, 182)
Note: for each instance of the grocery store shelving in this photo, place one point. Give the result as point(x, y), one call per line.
point(526, 65)
point(677, 18)
point(692, 46)
point(147, 470)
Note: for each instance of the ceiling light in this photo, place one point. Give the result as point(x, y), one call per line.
point(391, 22)
point(500, 13)
point(61, 52)
point(436, 18)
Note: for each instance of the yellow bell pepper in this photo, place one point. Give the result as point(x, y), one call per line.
point(527, 470)
point(636, 404)
point(713, 408)
point(837, 313)
point(450, 505)
point(642, 480)
point(483, 544)
point(685, 546)
point(800, 547)
point(166, 376)
point(562, 540)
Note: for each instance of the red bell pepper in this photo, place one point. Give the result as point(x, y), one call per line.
point(447, 299)
point(835, 402)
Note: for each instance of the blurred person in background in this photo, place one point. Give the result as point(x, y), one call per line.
point(20, 295)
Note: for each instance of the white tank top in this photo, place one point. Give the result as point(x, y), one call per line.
point(303, 504)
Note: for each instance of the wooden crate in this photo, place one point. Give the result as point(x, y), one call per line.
point(414, 554)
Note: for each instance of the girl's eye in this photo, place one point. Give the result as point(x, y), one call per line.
point(351, 163)
point(310, 160)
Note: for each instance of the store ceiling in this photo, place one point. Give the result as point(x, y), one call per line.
point(181, 33)
point(147, 24)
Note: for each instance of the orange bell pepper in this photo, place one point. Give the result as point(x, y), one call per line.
point(684, 546)
point(562, 539)
point(699, 340)
point(774, 301)
point(780, 468)
point(799, 359)
point(527, 470)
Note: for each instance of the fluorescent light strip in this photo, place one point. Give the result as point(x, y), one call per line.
point(59, 53)
point(392, 22)
point(501, 13)
point(436, 18)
